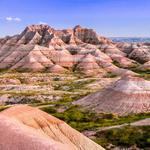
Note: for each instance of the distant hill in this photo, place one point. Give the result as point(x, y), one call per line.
point(130, 39)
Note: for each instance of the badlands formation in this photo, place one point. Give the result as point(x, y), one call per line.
point(53, 70)
point(27, 128)
point(42, 48)
point(78, 51)
point(126, 96)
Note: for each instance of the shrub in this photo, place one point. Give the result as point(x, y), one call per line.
point(127, 136)
point(49, 109)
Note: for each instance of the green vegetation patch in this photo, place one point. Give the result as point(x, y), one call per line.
point(125, 137)
point(81, 119)
point(144, 74)
point(74, 85)
point(110, 75)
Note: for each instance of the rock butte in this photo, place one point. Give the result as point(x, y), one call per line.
point(42, 48)
point(126, 96)
point(27, 128)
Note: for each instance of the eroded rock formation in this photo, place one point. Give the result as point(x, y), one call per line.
point(27, 128)
point(42, 48)
point(126, 96)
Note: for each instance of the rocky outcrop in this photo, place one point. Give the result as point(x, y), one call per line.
point(136, 51)
point(24, 127)
point(123, 62)
point(57, 69)
point(126, 96)
point(89, 36)
point(141, 54)
point(89, 66)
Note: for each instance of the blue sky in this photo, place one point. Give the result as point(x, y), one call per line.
point(107, 17)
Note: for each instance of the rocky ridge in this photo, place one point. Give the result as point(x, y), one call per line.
point(42, 48)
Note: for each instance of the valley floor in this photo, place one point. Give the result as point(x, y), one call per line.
point(55, 93)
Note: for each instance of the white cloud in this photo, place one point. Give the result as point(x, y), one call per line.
point(9, 18)
point(13, 19)
point(41, 22)
point(17, 19)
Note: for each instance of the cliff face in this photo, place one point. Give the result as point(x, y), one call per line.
point(30, 128)
point(44, 35)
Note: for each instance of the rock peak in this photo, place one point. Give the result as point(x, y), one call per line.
point(34, 28)
point(77, 26)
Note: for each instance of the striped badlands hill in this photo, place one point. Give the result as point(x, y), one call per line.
point(125, 96)
point(42, 48)
point(27, 128)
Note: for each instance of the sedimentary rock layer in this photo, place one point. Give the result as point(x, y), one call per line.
point(125, 96)
point(42, 48)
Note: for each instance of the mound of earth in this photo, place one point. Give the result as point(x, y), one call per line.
point(27, 128)
point(126, 96)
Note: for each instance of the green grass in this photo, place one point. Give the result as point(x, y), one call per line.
point(110, 75)
point(21, 93)
point(144, 74)
point(125, 137)
point(82, 119)
point(49, 110)
point(73, 86)
point(116, 63)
